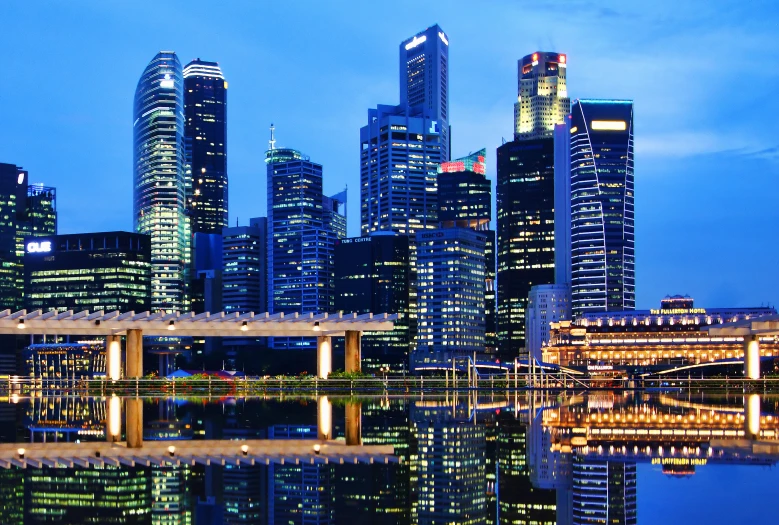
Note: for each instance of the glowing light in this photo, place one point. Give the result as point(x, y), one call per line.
point(21, 452)
point(608, 125)
point(535, 57)
point(245, 449)
point(443, 38)
point(416, 41)
point(114, 360)
point(20, 178)
point(171, 450)
point(244, 327)
point(317, 448)
point(562, 59)
point(39, 247)
point(172, 325)
point(114, 416)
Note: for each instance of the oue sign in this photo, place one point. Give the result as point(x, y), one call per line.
point(39, 247)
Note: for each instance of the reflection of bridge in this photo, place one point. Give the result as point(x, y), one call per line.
point(203, 452)
point(113, 325)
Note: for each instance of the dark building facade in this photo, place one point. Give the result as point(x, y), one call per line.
point(465, 201)
point(372, 275)
point(525, 201)
point(205, 132)
point(91, 271)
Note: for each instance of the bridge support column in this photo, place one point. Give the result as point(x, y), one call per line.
point(324, 412)
point(134, 422)
point(352, 344)
point(752, 416)
point(751, 357)
point(113, 357)
point(353, 423)
point(324, 356)
point(114, 420)
point(134, 354)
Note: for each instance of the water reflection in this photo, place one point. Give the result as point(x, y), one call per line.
point(519, 458)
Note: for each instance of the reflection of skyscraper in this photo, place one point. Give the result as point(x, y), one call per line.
point(519, 501)
point(449, 465)
point(159, 185)
point(604, 492)
point(602, 206)
point(205, 107)
point(299, 493)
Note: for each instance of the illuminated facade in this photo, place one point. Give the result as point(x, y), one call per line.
point(542, 95)
point(92, 271)
point(159, 181)
point(64, 361)
point(602, 206)
point(526, 223)
point(424, 78)
point(465, 201)
point(668, 337)
point(205, 131)
point(372, 276)
point(547, 303)
point(303, 226)
point(604, 492)
point(451, 322)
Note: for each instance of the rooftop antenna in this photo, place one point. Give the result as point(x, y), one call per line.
point(272, 141)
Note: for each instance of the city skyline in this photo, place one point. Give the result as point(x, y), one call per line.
point(685, 143)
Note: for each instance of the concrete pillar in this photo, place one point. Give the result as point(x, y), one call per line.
point(352, 342)
point(324, 412)
point(752, 416)
point(113, 357)
point(134, 366)
point(114, 420)
point(751, 357)
point(353, 423)
point(134, 422)
point(324, 356)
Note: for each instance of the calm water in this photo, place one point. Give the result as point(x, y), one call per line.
point(599, 458)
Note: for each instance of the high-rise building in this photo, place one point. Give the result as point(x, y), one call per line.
point(424, 78)
point(604, 492)
point(562, 203)
point(303, 225)
point(401, 150)
point(244, 278)
point(372, 276)
point(542, 95)
point(547, 303)
point(526, 192)
point(159, 181)
point(526, 217)
point(450, 287)
point(205, 130)
point(602, 206)
point(465, 201)
point(244, 268)
point(91, 271)
point(40, 217)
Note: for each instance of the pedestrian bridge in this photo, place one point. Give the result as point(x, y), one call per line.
point(114, 325)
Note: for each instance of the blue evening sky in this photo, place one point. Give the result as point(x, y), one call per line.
point(703, 75)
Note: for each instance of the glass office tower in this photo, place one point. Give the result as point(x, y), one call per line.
point(424, 78)
point(372, 276)
point(602, 206)
point(159, 184)
point(465, 201)
point(302, 230)
point(205, 130)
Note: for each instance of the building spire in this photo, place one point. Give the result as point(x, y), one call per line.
point(272, 141)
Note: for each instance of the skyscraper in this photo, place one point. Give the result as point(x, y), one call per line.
point(372, 276)
point(604, 492)
point(542, 95)
point(302, 230)
point(526, 189)
point(424, 78)
point(450, 291)
point(602, 206)
point(159, 184)
point(465, 201)
point(205, 129)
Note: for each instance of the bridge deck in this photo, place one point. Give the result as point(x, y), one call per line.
point(204, 452)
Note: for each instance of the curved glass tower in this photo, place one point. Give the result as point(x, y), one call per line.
point(159, 185)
